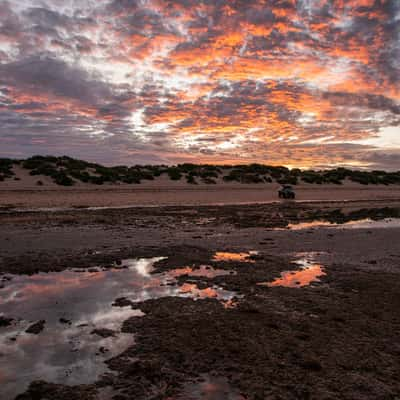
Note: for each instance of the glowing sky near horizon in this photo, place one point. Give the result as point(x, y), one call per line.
point(303, 83)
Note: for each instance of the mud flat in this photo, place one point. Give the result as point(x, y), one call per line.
point(268, 301)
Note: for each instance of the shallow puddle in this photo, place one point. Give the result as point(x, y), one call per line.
point(238, 257)
point(209, 388)
point(371, 224)
point(204, 270)
point(310, 271)
point(214, 292)
point(73, 305)
point(308, 225)
point(366, 223)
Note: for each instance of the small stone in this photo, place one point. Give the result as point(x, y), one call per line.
point(103, 332)
point(36, 328)
point(4, 321)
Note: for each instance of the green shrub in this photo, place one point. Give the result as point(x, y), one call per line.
point(44, 169)
point(288, 180)
point(64, 169)
point(191, 179)
point(174, 173)
point(6, 165)
point(37, 161)
point(233, 175)
point(96, 180)
point(61, 178)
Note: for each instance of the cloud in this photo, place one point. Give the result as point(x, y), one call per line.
point(294, 82)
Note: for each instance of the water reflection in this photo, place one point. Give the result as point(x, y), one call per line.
point(73, 305)
point(238, 257)
point(308, 225)
point(194, 291)
point(370, 223)
point(202, 271)
point(365, 223)
point(309, 272)
point(209, 388)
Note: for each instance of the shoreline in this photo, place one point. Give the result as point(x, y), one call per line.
point(7, 210)
point(147, 196)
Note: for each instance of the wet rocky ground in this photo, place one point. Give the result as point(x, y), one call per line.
point(212, 323)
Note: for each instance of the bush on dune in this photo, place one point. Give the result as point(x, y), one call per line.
point(191, 179)
point(67, 171)
point(6, 171)
point(174, 174)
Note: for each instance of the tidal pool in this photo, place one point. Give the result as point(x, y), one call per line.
point(74, 304)
point(202, 270)
point(365, 223)
point(310, 271)
point(239, 257)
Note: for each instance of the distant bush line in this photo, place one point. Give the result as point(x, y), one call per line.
point(66, 171)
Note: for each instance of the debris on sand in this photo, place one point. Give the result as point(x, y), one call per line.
point(44, 390)
point(121, 302)
point(103, 332)
point(36, 328)
point(4, 321)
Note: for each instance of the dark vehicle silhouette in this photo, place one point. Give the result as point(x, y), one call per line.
point(286, 192)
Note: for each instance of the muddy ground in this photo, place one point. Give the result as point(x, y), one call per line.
point(335, 339)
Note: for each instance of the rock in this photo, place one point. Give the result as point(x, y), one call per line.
point(4, 321)
point(121, 302)
point(36, 328)
point(65, 321)
point(103, 332)
point(43, 390)
point(103, 350)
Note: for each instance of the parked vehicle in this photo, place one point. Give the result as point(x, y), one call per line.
point(286, 192)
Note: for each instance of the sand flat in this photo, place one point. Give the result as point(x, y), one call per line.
point(175, 194)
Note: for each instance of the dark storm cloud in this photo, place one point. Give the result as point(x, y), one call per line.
point(382, 159)
point(42, 73)
point(365, 100)
point(48, 18)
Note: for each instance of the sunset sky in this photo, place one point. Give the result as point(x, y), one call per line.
point(303, 83)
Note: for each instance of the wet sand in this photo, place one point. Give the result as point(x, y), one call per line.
point(182, 194)
point(333, 335)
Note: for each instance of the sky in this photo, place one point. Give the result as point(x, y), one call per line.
point(300, 83)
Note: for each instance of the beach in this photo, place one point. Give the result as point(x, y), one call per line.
point(187, 301)
point(170, 194)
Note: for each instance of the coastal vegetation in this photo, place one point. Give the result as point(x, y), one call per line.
point(67, 171)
